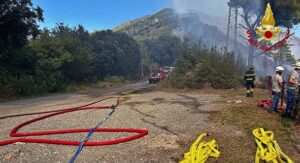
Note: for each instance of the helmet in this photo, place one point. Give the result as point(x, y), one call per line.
point(297, 65)
point(253, 67)
point(279, 68)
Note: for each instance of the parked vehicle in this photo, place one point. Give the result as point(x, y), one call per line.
point(167, 70)
point(154, 78)
point(161, 75)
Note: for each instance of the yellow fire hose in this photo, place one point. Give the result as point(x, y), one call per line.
point(200, 151)
point(267, 148)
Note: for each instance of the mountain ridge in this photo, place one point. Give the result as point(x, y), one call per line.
point(168, 22)
point(211, 29)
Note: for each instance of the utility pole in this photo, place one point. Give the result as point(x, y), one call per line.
point(232, 25)
point(142, 64)
point(138, 39)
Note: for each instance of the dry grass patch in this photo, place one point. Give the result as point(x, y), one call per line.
point(245, 117)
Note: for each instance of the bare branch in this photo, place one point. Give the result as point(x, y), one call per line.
point(243, 26)
point(267, 51)
point(258, 17)
point(243, 37)
point(246, 18)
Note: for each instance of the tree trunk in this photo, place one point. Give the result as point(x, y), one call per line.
point(250, 56)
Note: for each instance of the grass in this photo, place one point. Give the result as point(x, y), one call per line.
point(241, 118)
point(245, 117)
point(108, 82)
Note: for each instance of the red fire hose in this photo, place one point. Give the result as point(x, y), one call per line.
point(14, 132)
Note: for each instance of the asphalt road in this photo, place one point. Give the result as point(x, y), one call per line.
point(91, 93)
point(173, 119)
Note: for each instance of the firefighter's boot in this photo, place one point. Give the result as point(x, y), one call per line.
point(251, 92)
point(248, 93)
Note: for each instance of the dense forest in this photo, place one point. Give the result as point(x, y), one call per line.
point(37, 61)
point(62, 56)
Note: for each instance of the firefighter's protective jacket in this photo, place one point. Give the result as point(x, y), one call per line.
point(249, 76)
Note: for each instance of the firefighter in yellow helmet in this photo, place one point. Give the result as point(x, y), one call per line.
point(249, 78)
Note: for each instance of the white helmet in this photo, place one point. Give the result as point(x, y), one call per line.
point(297, 65)
point(279, 68)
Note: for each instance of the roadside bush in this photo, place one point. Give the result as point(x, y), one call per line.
point(115, 79)
point(175, 81)
point(25, 85)
point(198, 68)
point(109, 81)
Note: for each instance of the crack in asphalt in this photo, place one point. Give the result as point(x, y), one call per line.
point(144, 114)
point(165, 128)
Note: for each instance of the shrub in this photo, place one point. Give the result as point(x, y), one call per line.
point(197, 68)
point(115, 79)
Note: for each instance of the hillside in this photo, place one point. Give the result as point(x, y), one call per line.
point(168, 22)
point(194, 26)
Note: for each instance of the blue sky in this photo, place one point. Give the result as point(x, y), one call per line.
point(97, 14)
point(107, 14)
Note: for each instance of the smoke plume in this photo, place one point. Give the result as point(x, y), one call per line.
point(209, 7)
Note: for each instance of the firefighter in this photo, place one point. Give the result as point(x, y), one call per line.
point(292, 90)
point(277, 87)
point(296, 111)
point(250, 79)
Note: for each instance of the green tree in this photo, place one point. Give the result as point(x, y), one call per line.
point(51, 56)
point(164, 50)
point(198, 67)
point(18, 22)
point(284, 56)
point(75, 41)
point(115, 54)
point(65, 56)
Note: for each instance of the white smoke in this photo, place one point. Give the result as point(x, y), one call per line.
point(209, 7)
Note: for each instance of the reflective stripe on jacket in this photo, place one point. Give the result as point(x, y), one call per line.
point(249, 75)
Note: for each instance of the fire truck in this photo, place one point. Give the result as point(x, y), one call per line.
point(163, 73)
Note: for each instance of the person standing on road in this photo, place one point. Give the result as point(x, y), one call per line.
point(277, 86)
point(250, 79)
point(292, 90)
